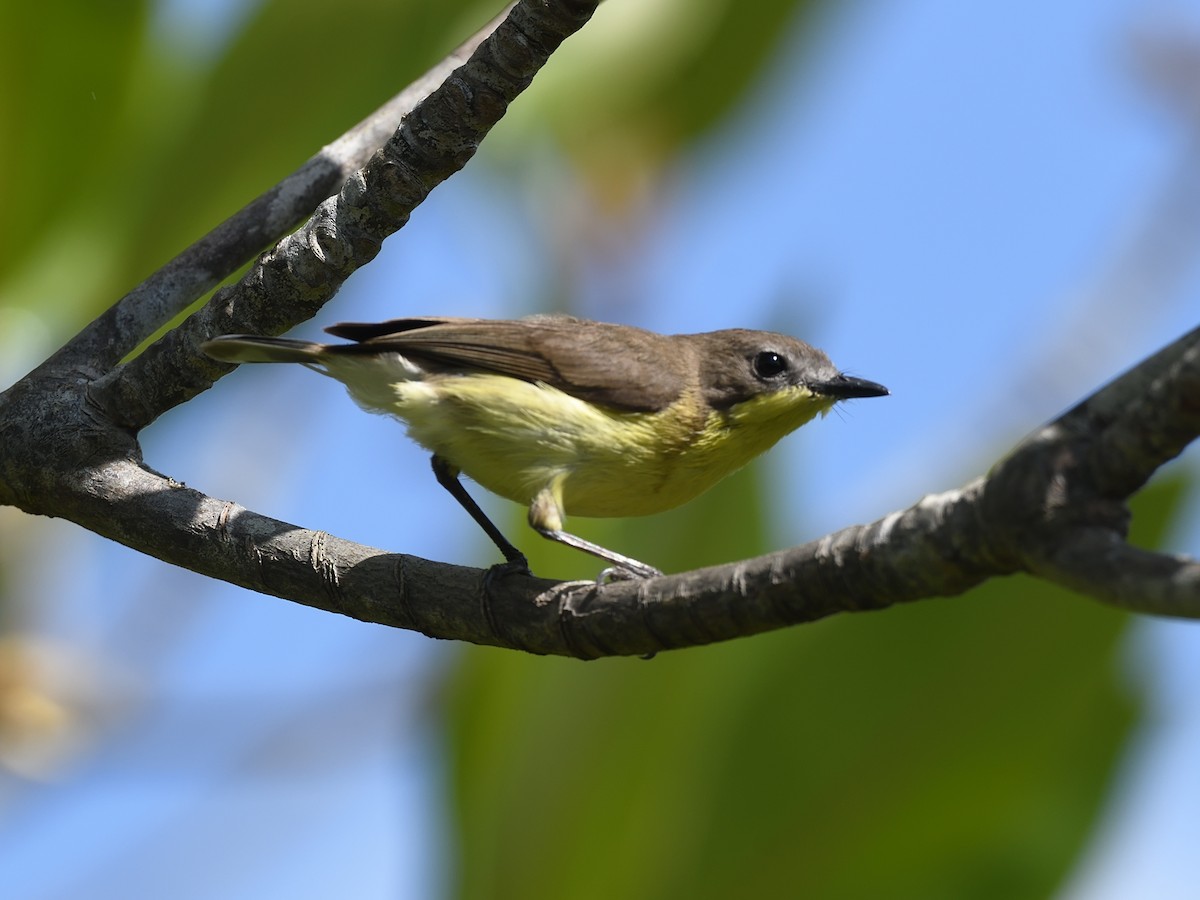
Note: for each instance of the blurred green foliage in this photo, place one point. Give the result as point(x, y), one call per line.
point(122, 144)
point(949, 749)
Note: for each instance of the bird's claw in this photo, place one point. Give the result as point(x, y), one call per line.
point(627, 573)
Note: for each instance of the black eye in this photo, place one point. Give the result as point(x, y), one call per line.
point(768, 364)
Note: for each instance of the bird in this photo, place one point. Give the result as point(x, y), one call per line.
point(569, 416)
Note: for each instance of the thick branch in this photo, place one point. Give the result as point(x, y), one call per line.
point(1039, 511)
point(1045, 509)
point(1078, 471)
point(901, 558)
point(1161, 416)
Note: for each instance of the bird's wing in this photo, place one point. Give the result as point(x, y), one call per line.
point(614, 365)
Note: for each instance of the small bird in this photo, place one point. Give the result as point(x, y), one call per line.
point(570, 416)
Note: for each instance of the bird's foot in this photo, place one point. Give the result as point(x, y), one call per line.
point(516, 565)
point(630, 570)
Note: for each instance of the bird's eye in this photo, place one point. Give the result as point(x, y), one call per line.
point(768, 364)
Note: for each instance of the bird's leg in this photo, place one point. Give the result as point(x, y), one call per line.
point(545, 517)
point(447, 476)
point(624, 565)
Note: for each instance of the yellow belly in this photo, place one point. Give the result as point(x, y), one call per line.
point(516, 439)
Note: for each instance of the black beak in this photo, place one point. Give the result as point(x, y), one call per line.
point(847, 387)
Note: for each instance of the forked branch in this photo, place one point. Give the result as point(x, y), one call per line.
point(1055, 507)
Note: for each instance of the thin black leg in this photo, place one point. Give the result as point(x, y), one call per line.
point(447, 476)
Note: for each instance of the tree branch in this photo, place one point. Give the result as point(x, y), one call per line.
point(291, 282)
point(1096, 562)
point(1148, 420)
point(1054, 507)
point(1045, 494)
point(118, 331)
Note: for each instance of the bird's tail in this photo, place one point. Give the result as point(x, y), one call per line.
point(249, 348)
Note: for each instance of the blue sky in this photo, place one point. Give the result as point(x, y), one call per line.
point(942, 205)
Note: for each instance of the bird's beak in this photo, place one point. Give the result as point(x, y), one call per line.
point(847, 387)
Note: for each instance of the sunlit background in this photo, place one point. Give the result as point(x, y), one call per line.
point(990, 208)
